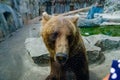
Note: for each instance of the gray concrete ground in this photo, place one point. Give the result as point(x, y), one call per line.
point(15, 64)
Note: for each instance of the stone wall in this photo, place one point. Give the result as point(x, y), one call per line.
point(15, 14)
point(112, 6)
point(10, 20)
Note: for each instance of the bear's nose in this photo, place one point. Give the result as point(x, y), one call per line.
point(61, 57)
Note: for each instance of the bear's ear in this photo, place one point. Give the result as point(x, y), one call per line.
point(73, 19)
point(45, 18)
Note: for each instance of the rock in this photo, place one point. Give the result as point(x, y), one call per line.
point(110, 6)
point(95, 57)
point(94, 38)
point(37, 50)
point(105, 42)
point(93, 52)
point(108, 44)
point(35, 47)
point(10, 21)
point(42, 60)
point(94, 44)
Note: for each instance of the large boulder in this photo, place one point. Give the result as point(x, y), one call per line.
point(108, 44)
point(94, 53)
point(104, 42)
point(37, 50)
point(95, 45)
point(35, 46)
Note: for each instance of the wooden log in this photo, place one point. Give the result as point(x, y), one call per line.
point(72, 12)
point(76, 11)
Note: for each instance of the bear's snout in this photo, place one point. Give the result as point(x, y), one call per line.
point(61, 58)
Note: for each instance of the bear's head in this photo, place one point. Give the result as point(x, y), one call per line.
point(60, 36)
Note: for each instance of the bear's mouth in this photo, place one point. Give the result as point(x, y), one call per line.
point(61, 58)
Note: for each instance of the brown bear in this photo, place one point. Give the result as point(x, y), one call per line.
point(67, 51)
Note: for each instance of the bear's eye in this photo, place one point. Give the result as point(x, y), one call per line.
point(53, 36)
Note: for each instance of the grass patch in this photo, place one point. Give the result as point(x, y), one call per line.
point(106, 30)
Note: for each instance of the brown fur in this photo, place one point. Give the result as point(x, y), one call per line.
point(61, 35)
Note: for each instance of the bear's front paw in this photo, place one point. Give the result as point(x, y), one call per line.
point(51, 77)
